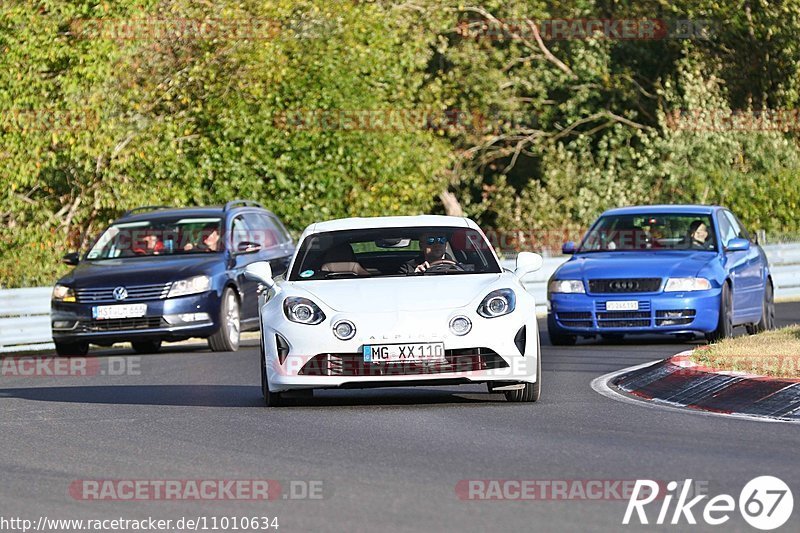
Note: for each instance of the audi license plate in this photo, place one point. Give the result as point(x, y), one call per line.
point(404, 353)
point(109, 312)
point(622, 306)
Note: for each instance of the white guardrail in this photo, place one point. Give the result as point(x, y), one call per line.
point(25, 313)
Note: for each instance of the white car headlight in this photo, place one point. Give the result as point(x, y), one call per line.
point(193, 285)
point(303, 311)
point(566, 286)
point(687, 284)
point(62, 293)
point(498, 303)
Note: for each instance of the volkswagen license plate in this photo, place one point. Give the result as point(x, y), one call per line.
point(109, 312)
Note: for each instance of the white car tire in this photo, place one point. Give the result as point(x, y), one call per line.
point(271, 399)
point(532, 391)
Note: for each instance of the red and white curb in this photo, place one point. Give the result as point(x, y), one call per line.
point(678, 383)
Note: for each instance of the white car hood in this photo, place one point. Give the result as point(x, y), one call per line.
point(383, 295)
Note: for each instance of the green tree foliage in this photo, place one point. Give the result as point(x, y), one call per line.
point(333, 108)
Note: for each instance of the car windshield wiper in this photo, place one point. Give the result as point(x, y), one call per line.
point(331, 275)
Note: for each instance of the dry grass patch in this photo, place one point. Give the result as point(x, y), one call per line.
point(773, 353)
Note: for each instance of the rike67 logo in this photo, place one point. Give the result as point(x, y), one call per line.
point(765, 503)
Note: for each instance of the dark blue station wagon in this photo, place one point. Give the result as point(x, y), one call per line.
point(165, 274)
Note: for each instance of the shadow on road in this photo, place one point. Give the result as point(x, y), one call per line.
point(185, 395)
point(398, 396)
point(243, 396)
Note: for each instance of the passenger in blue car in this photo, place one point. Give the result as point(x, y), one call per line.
point(698, 236)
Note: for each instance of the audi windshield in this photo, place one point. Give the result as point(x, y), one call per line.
point(623, 233)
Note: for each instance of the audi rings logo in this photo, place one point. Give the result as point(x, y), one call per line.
point(622, 285)
point(120, 293)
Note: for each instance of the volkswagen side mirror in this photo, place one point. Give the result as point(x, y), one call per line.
point(247, 247)
point(71, 259)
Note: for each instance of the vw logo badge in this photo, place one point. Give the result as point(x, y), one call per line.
point(120, 293)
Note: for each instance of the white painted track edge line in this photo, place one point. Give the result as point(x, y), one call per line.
point(601, 386)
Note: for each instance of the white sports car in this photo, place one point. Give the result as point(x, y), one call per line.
point(398, 301)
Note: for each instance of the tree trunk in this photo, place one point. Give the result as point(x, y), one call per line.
point(451, 205)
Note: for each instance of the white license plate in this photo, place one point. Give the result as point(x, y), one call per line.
point(109, 312)
point(622, 306)
point(404, 353)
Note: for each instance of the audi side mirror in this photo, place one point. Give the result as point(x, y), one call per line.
point(568, 248)
point(738, 245)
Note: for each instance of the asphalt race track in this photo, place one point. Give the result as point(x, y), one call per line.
point(387, 459)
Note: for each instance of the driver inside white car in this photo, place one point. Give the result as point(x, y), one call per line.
point(434, 252)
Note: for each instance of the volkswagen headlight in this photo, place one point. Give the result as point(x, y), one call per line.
point(302, 311)
point(194, 285)
point(687, 285)
point(497, 303)
point(566, 286)
point(62, 293)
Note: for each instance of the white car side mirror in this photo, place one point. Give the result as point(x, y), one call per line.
point(528, 262)
point(260, 271)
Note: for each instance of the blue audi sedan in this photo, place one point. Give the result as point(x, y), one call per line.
point(682, 270)
point(165, 274)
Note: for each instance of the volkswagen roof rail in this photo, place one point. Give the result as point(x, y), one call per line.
point(146, 208)
point(245, 203)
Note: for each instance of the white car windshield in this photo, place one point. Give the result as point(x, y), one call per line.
point(388, 252)
point(158, 237)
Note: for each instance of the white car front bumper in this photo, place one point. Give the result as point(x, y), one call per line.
point(317, 359)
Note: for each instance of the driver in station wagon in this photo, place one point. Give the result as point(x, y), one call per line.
point(434, 251)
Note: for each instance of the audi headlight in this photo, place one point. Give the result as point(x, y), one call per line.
point(193, 285)
point(302, 311)
point(566, 286)
point(62, 293)
point(498, 303)
point(687, 284)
